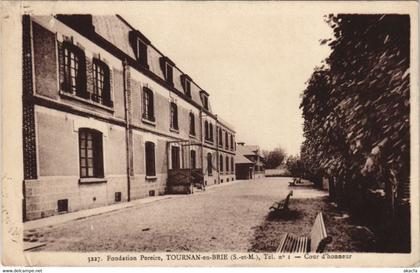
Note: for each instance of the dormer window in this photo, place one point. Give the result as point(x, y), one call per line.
point(186, 84)
point(139, 44)
point(169, 74)
point(204, 99)
point(206, 103)
point(141, 52)
point(167, 69)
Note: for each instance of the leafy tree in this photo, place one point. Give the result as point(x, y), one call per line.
point(356, 112)
point(295, 166)
point(274, 158)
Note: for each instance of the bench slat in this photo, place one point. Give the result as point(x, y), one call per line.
point(282, 240)
point(299, 245)
point(303, 244)
point(287, 243)
point(319, 236)
point(316, 243)
point(290, 242)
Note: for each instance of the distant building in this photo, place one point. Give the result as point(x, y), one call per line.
point(249, 161)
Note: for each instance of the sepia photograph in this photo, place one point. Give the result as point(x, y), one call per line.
point(234, 133)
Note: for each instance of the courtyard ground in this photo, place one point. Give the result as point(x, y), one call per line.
point(231, 217)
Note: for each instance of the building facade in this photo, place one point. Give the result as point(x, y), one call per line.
point(249, 162)
point(107, 116)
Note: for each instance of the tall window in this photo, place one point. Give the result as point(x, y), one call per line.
point(150, 159)
point(175, 157)
point(192, 124)
point(231, 142)
point(227, 164)
point(90, 153)
point(74, 70)
point(174, 116)
point(206, 130)
point(101, 84)
point(226, 140)
point(209, 164)
point(193, 159)
point(211, 131)
point(232, 165)
point(148, 104)
point(221, 163)
point(220, 138)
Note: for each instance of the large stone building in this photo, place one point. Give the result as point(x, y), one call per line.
point(107, 117)
point(249, 162)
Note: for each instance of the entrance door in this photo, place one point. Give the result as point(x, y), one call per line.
point(192, 160)
point(175, 157)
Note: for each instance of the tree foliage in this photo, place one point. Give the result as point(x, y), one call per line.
point(295, 166)
point(274, 158)
point(356, 106)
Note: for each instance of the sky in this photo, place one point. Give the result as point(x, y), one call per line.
point(253, 59)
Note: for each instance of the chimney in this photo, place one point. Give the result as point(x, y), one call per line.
point(80, 22)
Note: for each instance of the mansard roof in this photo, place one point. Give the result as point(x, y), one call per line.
point(114, 31)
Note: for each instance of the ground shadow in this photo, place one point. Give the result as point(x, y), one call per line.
point(347, 236)
point(283, 215)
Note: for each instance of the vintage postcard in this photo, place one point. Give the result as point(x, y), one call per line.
point(183, 133)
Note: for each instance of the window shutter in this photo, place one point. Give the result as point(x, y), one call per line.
point(169, 77)
point(227, 163)
point(98, 156)
point(176, 117)
point(107, 86)
point(162, 62)
point(151, 106)
point(81, 74)
point(231, 164)
point(145, 101)
point(150, 159)
point(192, 124)
point(193, 163)
point(152, 165)
point(132, 38)
point(209, 164)
point(60, 50)
point(183, 82)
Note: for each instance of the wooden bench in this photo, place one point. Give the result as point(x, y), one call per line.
point(295, 181)
point(315, 243)
point(283, 205)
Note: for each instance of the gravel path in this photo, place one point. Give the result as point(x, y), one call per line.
point(221, 219)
